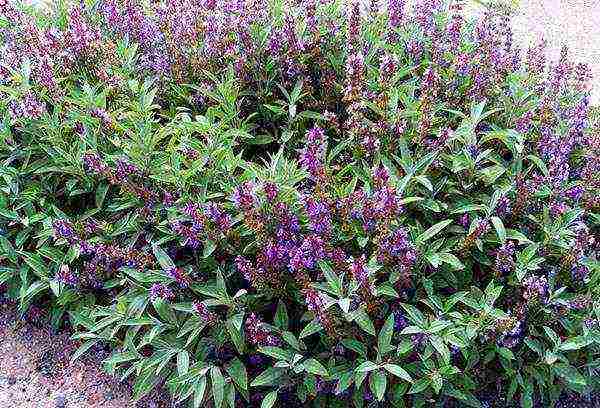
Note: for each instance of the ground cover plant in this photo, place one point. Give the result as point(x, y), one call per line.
point(303, 203)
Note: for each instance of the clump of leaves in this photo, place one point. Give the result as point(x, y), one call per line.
point(304, 205)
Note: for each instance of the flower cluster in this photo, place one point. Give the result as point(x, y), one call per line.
point(313, 154)
point(257, 334)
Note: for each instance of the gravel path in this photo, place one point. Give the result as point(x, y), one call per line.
point(36, 372)
point(575, 23)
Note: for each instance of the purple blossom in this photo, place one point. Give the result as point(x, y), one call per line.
point(354, 25)
point(558, 208)
point(360, 272)
point(126, 169)
point(579, 272)
point(103, 115)
point(395, 9)
point(161, 291)
point(255, 360)
point(205, 315)
point(244, 196)
point(396, 248)
point(319, 216)
point(257, 334)
point(29, 107)
point(94, 163)
point(218, 217)
point(313, 154)
point(308, 254)
point(66, 276)
point(190, 234)
point(387, 68)
point(355, 73)
point(400, 320)
point(513, 335)
point(535, 288)
point(270, 189)
point(81, 36)
point(575, 193)
point(455, 27)
point(503, 207)
point(524, 123)
point(504, 263)
point(244, 266)
point(64, 229)
point(179, 276)
point(465, 221)
point(314, 301)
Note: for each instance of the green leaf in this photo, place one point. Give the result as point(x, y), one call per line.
point(332, 279)
point(345, 380)
point(419, 386)
point(452, 260)
point(398, 372)
point(235, 334)
point(36, 263)
point(378, 384)
point(440, 347)
point(291, 340)
point(432, 231)
point(506, 353)
point(209, 248)
point(385, 336)
point(552, 335)
point(163, 259)
point(366, 367)
point(539, 163)
point(267, 377)
point(415, 314)
point(237, 371)
point(311, 328)
point(199, 390)
point(218, 386)
point(83, 348)
point(101, 194)
point(365, 323)
point(183, 362)
point(281, 319)
point(468, 208)
point(574, 379)
point(500, 230)
point(276, 352)
point(575, 343)
point(269, 400)
point(527, 396)
point(144, 383)
point(314, 367)
point(517, 236)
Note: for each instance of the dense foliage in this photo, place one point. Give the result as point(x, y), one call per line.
point(303, 204)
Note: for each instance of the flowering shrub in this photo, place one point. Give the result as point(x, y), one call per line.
point(303, 204)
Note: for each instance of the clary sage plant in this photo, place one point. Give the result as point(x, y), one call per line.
point(303, 203)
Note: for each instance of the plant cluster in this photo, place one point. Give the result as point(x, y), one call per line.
point(309, 203)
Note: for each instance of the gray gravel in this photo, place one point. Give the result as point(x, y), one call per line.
point(575, 23)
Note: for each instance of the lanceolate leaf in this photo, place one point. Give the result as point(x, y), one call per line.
point(217, 386)
point(432, 231)
point(237, 371)
point(269, 400)
point(378, 384)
